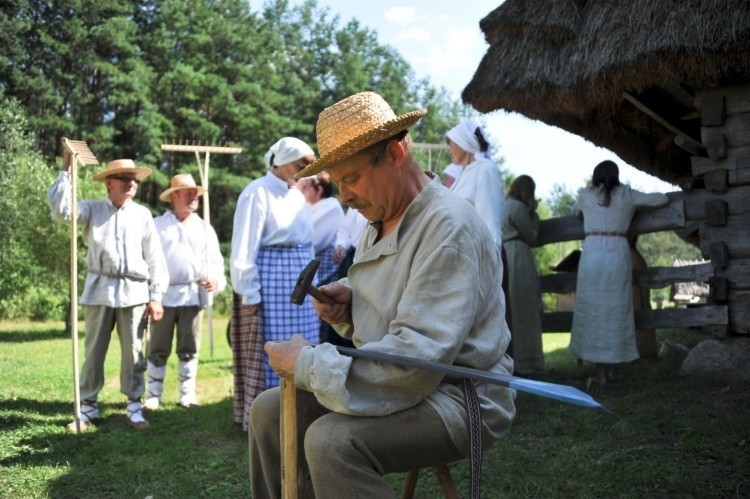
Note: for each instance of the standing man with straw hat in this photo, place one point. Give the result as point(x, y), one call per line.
point(196, 267)
point(424, 284)
point(127, 276)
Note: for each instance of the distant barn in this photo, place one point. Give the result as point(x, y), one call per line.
point(664, 84)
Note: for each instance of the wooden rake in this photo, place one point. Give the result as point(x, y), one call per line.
point(80, 153)
point(203, 171)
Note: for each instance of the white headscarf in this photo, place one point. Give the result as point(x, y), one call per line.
point(463, 135)
point(287, 150)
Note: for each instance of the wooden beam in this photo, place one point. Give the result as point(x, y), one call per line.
point(707, 315)
point(659, 119)
point(570, 228)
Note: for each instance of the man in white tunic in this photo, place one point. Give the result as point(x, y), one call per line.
point(196, 268)
point(423, 285)
point(127, 276)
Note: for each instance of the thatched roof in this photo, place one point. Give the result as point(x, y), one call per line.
point(603, 68)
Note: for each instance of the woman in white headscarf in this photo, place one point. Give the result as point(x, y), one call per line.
point(272, 242)
point(480, 181)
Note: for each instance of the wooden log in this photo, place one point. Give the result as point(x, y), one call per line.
point(718, 290)
point(717, 213)
point(737, 200)
point(736, 98)
point(561, 322)
point(737, 272)
point(718, 253)
point(296, 416)
point(717, 147)
point(713, 110)
point(735, 131)
point(735, 234)
point(739, 311)
point(652, 277)
point(738, 158)
point(690, 146)
point(717, 180)
point(570, 228)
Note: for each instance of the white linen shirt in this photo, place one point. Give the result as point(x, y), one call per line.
point(427, 290)
point(191, 249)
point(482, 185)
point(268, 213)
point(350, 229)
point(327, 216)
point(125, 262)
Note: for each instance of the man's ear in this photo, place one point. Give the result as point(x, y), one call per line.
point(395, 151)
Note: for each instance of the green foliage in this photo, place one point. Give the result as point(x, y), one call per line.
point(561, 201)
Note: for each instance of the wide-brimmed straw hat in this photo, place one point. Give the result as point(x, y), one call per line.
point(354, 123)
point(179, 182)
point(122, 166)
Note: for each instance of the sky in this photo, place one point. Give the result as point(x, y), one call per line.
point(441, 40)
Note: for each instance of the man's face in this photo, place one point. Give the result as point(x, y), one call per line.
point(184, 201)
point(373, 190)
point(121, 187)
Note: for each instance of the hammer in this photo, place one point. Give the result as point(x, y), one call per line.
point(304, 286)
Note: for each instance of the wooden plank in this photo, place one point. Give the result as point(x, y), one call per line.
point(717, 147)
point(561, 322)
point(735, 234)
point(736, 131)
point(559, 282)
point(570, 228)
point(717, 212)
point(717, 180)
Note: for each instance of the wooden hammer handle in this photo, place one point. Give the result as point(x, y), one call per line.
point(320, 296)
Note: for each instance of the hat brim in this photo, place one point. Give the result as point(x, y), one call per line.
point(357, 144)
point(164, 196)
point(141, 173)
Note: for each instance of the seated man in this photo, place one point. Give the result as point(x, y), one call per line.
point(424, 284)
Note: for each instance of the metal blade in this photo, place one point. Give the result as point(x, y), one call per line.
point(562, 393)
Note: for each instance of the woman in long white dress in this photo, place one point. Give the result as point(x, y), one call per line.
point(603, 329)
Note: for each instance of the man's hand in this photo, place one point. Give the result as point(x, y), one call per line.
point(282, 355)
point(154, 310)
point(208, 285)
point(341, 311)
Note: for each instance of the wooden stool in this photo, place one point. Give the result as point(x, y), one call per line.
point(295, 477)
point(444, 479)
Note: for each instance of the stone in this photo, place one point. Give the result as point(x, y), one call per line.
point(728, 360)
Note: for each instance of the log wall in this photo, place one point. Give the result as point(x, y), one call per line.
point(716, 207)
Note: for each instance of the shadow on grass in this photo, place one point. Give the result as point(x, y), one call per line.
point(28, 336)
point(193, 452)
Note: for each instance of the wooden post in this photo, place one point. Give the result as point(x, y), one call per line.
point(79, 152)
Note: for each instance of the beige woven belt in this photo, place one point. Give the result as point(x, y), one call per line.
point(119, 276)
point(605, 233)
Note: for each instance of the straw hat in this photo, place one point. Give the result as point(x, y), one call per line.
point(179, 182)
point(354, 123)
point(122, 166)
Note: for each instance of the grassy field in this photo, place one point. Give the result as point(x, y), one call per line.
point(672, 437)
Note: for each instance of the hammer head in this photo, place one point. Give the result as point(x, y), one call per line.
point(304, 282)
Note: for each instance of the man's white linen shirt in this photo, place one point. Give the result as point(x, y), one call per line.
point(125, 261)
point(428, 290)
point(191, 249)
point(327, 216)
point(268, 213)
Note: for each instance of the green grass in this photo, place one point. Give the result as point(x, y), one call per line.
point(672, 437)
